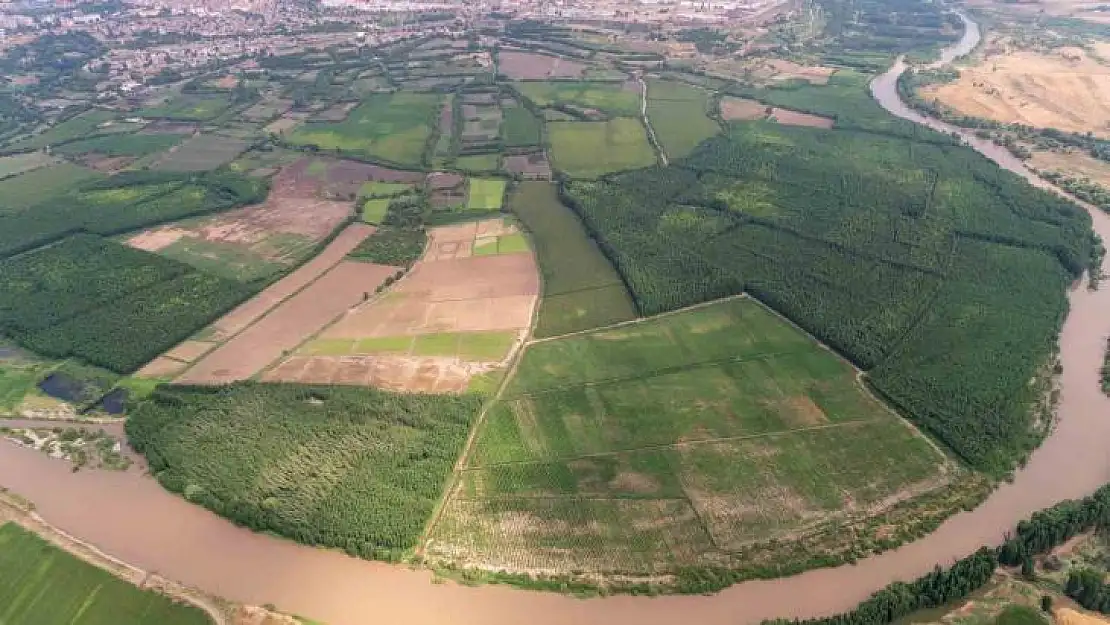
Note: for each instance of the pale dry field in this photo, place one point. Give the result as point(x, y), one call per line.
point(796, 118)
point(1067, 89)
point(733, 109)
point(1074, 164)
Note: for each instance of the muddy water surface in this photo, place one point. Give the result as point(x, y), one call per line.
point(131, 517)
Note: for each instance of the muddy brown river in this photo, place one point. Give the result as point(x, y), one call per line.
point(131, 517)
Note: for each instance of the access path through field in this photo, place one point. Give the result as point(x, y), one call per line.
point(135, 519)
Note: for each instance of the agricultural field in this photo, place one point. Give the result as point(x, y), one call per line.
point(460, 312)
point(188, 107)
point(391, 127)
point(592, 149)
point(22, 163)
point(257, 241)
point(678, 114)
point(131, 144)
point(520, 127)
point(27, 189)
point(581, 289)
point(516, 65)
point(201, 153)
point(672, 441)
point(42, 584)
point(285, 458)
point(478, 162)
point(87, 124)
point(616, 99)
point(484, 194)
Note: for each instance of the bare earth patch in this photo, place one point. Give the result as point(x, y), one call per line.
point(1065, 89)
point(289, 324)
point(733, 109)
point(154, 240)
point(532, 66)
point(795, 118)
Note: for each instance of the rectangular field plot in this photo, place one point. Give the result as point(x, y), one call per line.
point(592, 149)
point(202, 153)
point(728, 423)
point(42, 584)
point(485, 194)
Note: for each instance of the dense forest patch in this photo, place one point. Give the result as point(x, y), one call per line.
point(884, 247)
point(352, 468)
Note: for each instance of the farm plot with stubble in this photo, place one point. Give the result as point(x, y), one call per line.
point(351, 468)
point(42, 584)
point(674, 442)
point(679, 116)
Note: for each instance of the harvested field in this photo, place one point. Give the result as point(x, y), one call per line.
point(795, 118)
point(201, 153)
point(161, 367)
point(1073, 163)
point(533, 166)
point(789, 70)
point(742, 109)
point(281, 126)
point(453, 316)
point(267, 109)
point(289, 324)
point(672, 442)
point(532, 66)
point(170, 128)
point(1064, 89)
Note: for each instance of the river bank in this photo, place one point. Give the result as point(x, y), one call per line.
point(131, 517)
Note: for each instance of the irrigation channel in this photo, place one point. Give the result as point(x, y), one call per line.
point(131, 517)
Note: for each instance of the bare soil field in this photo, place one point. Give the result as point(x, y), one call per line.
point(531, 66)
point(1073, 164)
point(787, 70)
point(1067, 89)
point(168, 127)
point(453, 316)
point(104, 163)
point(289, 324)
point(769, 70)
point(529, 165)
point(795, 118)
point(281, 125)
point(733, 109)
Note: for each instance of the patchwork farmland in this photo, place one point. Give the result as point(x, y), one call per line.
point(460, 312)
point(674, 442)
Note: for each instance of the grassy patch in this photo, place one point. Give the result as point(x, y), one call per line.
point(677, 113)
point(485, 346)
point(285, 458)
point(20, 163)
point(33, 187)
point(42, 584)
point(612, 98)
point(512, 244)
point(379, 344)
point(375, 189)
point(662, 441)
point(228, 260)
point(485, 193)
point(374, 210)
point(478, 162)
point(329, 347)
point(440, 344)
point(202, 153)
point(581, 290)
point(592, 149)
point(88, 123)
point(188, 107)
point(132, 144)
point(392, 127)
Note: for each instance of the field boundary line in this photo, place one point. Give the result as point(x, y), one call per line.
point(647, 122)
point(472, 436)
point(12, 510)
point(621, 324)
point(675, 445)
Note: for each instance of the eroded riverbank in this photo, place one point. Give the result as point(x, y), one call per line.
point(133, 518)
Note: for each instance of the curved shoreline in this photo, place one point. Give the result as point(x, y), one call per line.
point(134, 519)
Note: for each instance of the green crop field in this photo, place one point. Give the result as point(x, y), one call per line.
point(44, 585)
point(202, 153)
point(286, 458)
point(392, 127)
point(374, 189)
point(592, 149)
point(485, 193)
point(21, 163)
point(92, 122)
point(676, 440)
point(478, 162)
point(373, 211)
point(39, 185)
point(228, 260)
point(131, 144)
point(678, 114)
point(188, 107)
point(612, 98)
point(581, 290)
point(520, 127)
